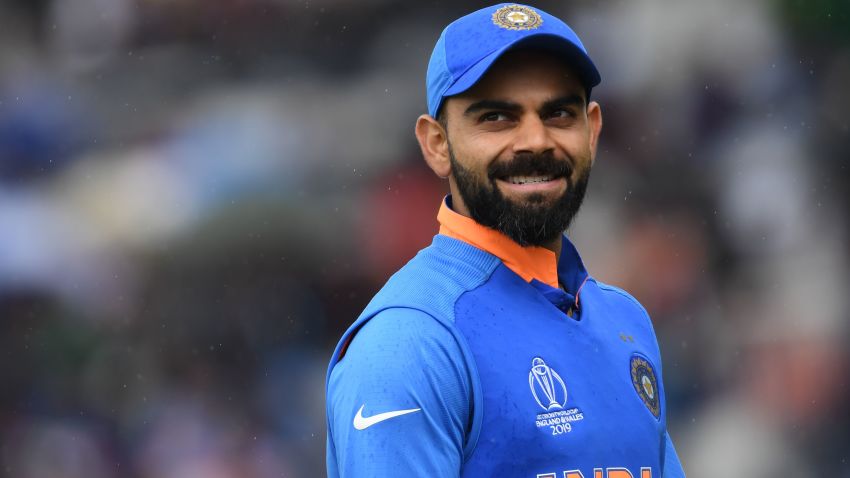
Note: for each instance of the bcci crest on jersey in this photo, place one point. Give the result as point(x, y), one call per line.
point(550, 393)
point(645, 383)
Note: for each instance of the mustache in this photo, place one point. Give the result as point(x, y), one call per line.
point(530, 164)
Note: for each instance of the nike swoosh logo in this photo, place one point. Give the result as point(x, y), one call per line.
point(362, 423)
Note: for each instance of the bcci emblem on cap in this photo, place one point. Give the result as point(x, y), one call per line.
point(517, 17)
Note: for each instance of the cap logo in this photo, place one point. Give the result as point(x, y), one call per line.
point(517, 17)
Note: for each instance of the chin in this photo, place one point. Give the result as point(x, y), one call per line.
point(536, 200)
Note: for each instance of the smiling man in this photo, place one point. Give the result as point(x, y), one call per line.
point(493, 352)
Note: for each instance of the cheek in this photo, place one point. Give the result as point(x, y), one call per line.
point(474, 153)
point(576, 144)
point(486, 148)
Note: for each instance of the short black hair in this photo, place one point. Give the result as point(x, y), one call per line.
point(441, 117)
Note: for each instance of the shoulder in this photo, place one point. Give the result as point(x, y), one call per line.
point(447, 266)
point(435, 278)
point(392, 350)
point(621, 298)
point(619, 305)
point(402, 358)
point(405, 372)
point(394, 330)
point(397, 343)
point(411, 318)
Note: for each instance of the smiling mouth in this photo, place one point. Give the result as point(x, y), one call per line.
point(522, 185)
point(531, 173)
point(528, 179)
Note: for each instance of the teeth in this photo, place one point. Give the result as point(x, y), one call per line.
point(528, 179)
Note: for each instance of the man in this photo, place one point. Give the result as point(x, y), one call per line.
point(493, 352)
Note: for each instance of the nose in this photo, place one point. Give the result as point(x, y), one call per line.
point(532, 136)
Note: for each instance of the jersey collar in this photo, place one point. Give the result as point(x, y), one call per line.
point(531, 263)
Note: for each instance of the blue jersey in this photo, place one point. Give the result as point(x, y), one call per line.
point(460, 366)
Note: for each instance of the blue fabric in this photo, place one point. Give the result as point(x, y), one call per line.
point(505, 382)
point(471, 44)
point(672, 465)
point(591, 359)
point(401, 359)
point(438, 78)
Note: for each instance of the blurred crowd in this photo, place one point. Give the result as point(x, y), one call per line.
point(197, 197)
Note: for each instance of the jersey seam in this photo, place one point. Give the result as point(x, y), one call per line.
point(477, 392)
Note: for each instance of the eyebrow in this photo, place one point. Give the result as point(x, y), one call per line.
point(502, 105)
point(568, 100)
point(492, 105)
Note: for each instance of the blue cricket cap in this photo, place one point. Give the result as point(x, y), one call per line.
point(471, 44)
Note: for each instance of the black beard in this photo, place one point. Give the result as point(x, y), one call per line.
point(536, 223)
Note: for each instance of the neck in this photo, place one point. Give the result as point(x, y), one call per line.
point(555, 246)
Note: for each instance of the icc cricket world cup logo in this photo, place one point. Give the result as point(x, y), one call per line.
point(546, 385)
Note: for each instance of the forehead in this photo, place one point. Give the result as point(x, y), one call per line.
point(522, 76)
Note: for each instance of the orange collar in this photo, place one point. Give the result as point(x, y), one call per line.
point(531, 262)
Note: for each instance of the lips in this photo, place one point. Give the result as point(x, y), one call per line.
point(529, 169)
point(528, 179)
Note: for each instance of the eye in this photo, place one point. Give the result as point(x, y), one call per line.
point(494, 116)
point(562, 113)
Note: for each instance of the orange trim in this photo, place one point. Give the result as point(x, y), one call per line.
point(578, 306)
point(531, 262)
point(344, 348)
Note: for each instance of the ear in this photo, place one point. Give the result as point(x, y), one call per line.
point(434, 143)
point(594, 121)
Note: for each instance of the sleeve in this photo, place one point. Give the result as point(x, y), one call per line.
point(399, 400)
point(672, 465)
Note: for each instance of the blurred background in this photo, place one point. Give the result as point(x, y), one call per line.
point(197, 197)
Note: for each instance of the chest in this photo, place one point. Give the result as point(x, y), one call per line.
point(560, 394)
